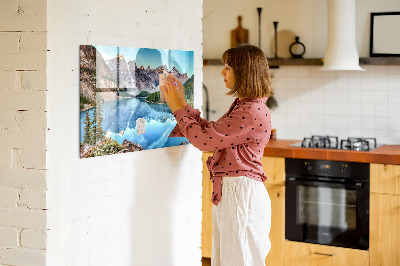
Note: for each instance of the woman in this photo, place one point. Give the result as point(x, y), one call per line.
point(242, 208)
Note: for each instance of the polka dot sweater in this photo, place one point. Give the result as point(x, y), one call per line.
point(238, 139)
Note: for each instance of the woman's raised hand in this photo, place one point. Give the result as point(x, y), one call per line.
point(174, 93)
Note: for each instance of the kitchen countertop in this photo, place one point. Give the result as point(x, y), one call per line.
point(389, 154)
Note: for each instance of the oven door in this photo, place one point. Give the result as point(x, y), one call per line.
point(327, 213)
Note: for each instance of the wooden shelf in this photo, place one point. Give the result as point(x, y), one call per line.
point(274, 63)
point(380, 61)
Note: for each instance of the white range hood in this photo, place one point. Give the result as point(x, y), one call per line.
point(341, 51)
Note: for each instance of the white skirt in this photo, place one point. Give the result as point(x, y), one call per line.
point(241, 223)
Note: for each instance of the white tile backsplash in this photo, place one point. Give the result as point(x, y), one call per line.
point(343, 103)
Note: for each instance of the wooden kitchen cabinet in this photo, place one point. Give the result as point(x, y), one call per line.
point(277, 233)
point(385, 215)
point(384, 236)
point(385, 178)
point(206, 232)
point(305, 254)
point(274, 168)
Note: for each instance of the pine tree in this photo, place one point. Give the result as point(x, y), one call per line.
point(87, 136)
point(93, 130)
point(99, 123)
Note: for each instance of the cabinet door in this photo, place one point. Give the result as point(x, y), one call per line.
point(277, 233)
point(384, 230)
point(304, 254)
point(206, 232)
point(385, 178)
point(274, 168)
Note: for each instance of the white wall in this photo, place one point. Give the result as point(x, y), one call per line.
point(311, 102)
point(306, 19)
point(23, 133)
point(141, 208)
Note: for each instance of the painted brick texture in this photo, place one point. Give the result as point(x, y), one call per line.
point(141, 208)
point(23, 132)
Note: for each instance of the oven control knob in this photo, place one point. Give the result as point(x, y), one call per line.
point(343, 168)
point(308, 166)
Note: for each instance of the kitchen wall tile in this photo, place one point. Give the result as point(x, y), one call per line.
point(381, 97)
point(329, 109)
point(394, 110)
point(342, 133)
point(367, 96)
point(317, 121)
point(367, 110)
point(317, 95)
point(304, 72)
point(317, 108)
point(367, 123)
point(355, 132)
point(381, 136)
point(291, 71)
point(342, 122)
point(292, 83)
point(342, 109)
point(381, 123)
point(380, 71)
point(365, 99)
point(304, 82)
point(342, 96)
point(367, 133)
point(342, 80)
point(328, 74)
point(394, 82)
point(329, 122)
point(317, 131)
point(355, 122)
point(381, 110)
point(394, 71)
point(381, 84)
point(355, 109)
point(315, 72)
point(367, 82)
point(354, 80)
point(394, 97)
point(394, 137)
point(394, 123)
point(355, 96)
point(329, 93)
point(316, 82)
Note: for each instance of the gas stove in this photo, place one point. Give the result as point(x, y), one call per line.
point(332, 142)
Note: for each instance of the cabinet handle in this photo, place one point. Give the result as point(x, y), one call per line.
point(324, 254)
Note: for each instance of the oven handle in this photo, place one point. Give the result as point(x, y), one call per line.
point(357, 185)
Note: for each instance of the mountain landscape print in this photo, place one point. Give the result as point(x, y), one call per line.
point(120, 103)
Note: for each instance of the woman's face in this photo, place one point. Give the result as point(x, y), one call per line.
point(229, 76)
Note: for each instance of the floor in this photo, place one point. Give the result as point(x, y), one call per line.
point(206, 261)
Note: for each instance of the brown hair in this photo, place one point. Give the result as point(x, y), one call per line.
point(250, 66)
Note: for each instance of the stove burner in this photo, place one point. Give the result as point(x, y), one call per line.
point(358, 144)
point(328, 142)
point(332, 142)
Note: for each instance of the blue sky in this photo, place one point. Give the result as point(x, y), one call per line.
point(180, 59)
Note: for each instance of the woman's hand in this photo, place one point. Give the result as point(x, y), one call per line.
point(181, 91)
point(173, 90)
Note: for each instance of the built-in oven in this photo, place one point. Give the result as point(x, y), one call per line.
point(327, 202)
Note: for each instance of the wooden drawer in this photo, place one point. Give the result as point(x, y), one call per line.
point(304, 254)
point(385, 178)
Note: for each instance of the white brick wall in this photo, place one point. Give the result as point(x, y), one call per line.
point(141, 208)
point(22, 132)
